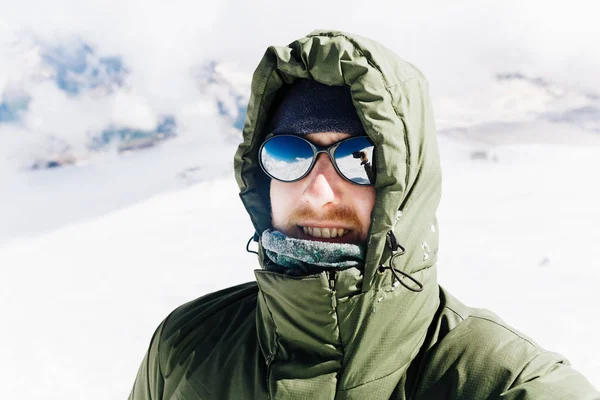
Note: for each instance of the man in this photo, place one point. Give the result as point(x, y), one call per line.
point(346, 304)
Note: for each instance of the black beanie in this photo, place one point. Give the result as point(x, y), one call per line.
point(308, 106)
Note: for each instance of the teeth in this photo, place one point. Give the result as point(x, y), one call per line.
point(324, 232)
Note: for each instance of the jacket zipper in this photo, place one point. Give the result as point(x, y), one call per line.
point(332, 288)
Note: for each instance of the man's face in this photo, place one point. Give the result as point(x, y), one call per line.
point(323, 205)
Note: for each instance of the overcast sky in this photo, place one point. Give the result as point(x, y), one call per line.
point(448, 40)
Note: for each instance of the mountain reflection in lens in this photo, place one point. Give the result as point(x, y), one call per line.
point(354, 159)
point(287, 157)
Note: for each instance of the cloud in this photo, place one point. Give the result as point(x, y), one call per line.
point(159, 39)
point(458, 44)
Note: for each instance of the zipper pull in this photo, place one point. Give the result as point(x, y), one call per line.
point(332, 280)
point(332, 287)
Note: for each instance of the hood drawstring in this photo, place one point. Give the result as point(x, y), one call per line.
point(255, 238)
point(399, 275)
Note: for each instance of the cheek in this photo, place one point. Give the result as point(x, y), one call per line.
point(365, 201)
point(282, 195)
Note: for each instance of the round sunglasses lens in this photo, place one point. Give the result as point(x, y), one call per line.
point(354, 159)
point(286, 158)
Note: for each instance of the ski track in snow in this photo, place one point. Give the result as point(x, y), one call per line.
point(81, 300)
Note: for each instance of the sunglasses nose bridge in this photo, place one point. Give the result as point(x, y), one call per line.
point(326, 151)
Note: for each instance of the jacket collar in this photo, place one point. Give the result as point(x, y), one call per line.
point(322, 333)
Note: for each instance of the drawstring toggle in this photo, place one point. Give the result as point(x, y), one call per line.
point(399, 275)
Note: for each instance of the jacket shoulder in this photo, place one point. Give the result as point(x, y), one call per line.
point(206, 323)
point(216, 329)
point(478, 328)
point(472, 353)
point(209, 306)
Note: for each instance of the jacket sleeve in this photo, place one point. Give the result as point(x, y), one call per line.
point(549, 376)
point(149, 382)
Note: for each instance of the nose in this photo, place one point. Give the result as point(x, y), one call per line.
point(320, 189)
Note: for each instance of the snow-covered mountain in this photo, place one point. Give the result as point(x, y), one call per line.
point(72, 65)
point(66, 101)
point(229, 86)
point(516, 108)
point(76, 67)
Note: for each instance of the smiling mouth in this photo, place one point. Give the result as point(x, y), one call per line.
point(325, 233)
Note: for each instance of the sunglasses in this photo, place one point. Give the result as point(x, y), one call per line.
point(289, 158)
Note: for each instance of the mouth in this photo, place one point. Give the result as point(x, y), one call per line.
point(324, 232)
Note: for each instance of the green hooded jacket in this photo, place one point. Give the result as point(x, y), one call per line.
point(351, 334)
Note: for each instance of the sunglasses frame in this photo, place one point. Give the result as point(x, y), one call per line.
point(329, 150)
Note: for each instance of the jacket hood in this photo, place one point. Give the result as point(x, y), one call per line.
point(392, 101)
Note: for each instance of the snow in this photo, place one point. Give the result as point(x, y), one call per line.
point(81, 301)
point(122, 245)
point(39, 201)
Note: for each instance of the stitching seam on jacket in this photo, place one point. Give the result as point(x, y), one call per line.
point(421, 340)
point(455, 312)
point(404, 82)
point(374, 379)
point(523, 369)
point(508, 329)
point(379, 378)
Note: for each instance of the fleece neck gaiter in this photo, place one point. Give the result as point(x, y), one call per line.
point(299, 257)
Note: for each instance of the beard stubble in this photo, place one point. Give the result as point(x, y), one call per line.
point(343, 214)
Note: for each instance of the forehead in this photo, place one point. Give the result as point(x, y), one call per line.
point(326, 138)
